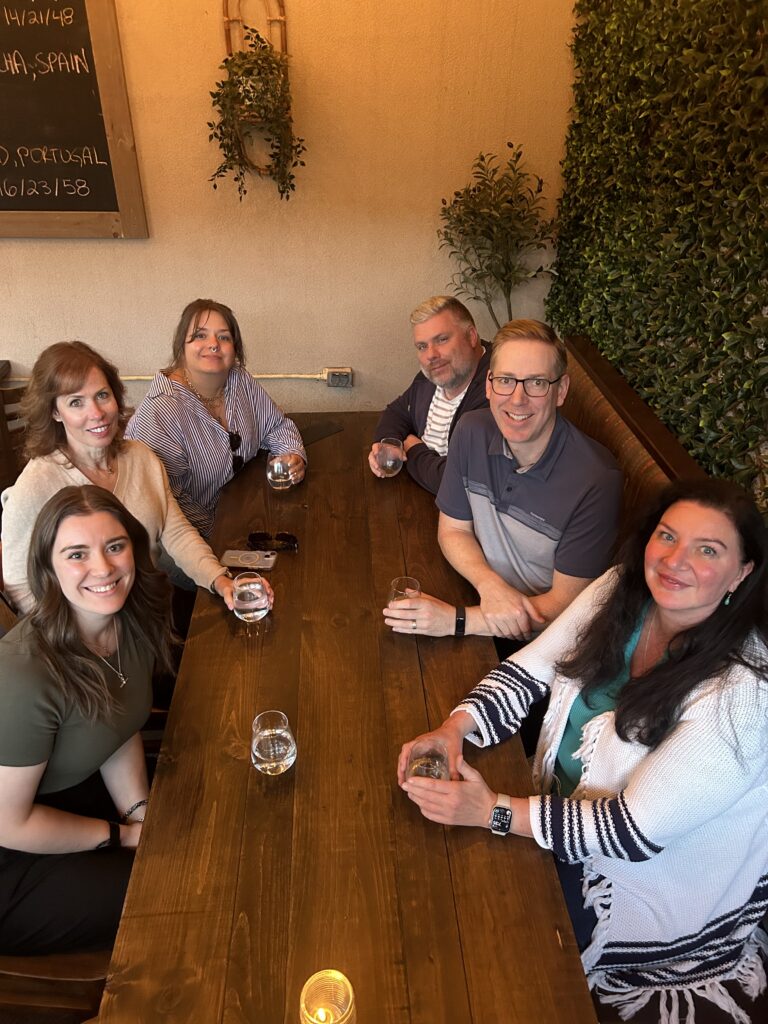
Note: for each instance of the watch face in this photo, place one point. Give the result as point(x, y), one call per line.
point(501, 820)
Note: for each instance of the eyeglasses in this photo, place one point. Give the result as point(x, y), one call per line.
point(535, 387)
point(260, 540)
point(234, 443)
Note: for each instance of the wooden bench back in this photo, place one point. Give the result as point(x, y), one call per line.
point(601, 403)
point(11, 436)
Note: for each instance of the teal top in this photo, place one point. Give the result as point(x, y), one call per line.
point(568, 768)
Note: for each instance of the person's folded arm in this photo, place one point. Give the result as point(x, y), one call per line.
point(714, 755)
point(125, 775)
point(36, 828)
point(505, 610)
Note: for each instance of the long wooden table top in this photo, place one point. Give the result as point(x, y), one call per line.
point(244, 885)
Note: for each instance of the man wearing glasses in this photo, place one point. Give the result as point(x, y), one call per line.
point(529, 505)
point(454, 362)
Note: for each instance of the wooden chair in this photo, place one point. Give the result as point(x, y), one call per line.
point(11, 436)
point(58, 981)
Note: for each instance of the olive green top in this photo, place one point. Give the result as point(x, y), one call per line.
point(40, 723)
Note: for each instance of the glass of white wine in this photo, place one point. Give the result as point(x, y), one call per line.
point(428, 759)
point(273, 747)
point(389, 457)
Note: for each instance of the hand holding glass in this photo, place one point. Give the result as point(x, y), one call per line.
point(428, 758)
point(273, 748)
point(389, 457)
point(250, 596)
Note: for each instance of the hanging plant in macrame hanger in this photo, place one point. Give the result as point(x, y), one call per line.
point(253, 104)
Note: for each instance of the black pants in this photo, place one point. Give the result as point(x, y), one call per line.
point(57, 902)
point(531, 726)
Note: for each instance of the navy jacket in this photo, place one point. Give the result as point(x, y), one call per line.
point(408, 415)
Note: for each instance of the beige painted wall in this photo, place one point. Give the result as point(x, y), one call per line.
point(394, 99)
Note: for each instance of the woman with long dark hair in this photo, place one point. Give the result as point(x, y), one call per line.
point(205, 416)
point(652, 766)
point(75, 688)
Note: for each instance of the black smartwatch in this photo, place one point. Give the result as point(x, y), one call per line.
point(461, 622)
point(501, 816)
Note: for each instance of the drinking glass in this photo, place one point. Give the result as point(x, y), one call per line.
point(429, 759)
point(273, 748)
point(279, 473)
point(403, 587)
point(389, 457)
point(327, 998)
point(250, 597)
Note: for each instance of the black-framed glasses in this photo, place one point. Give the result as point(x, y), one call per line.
point(535, 387)
point(260, 540)
point(234, 443)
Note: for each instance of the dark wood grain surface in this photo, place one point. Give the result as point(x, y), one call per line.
point(244, 885)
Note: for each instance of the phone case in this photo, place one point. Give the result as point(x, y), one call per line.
point(249, 559)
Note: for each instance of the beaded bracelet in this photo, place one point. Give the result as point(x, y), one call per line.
point(139, 803)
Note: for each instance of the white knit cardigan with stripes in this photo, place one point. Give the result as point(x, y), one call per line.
point(673, 841)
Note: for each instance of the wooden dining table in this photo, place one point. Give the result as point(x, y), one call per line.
point(244, 884)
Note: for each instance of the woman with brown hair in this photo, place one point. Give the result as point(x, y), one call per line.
point(205, 416)
point(75, 688)
point(74, 407)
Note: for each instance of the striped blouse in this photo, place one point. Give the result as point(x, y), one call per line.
point(194, 447)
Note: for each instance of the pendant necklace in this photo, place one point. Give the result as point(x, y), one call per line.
point(119, 670)
point(209, 403)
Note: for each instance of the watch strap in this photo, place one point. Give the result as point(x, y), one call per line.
point(461, 622)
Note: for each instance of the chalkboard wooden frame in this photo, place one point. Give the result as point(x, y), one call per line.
point(129, 220)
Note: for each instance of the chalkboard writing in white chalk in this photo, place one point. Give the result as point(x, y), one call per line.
point(67, 157)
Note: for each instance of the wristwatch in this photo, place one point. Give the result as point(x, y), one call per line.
point(501, 816)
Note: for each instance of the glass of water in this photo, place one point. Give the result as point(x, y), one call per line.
point(250, 597)
point(273, 747)
point(389, 457)
point(279, 473)
point(429, 759)
point(403, 587)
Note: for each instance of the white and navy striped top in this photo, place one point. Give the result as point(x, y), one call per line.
point(196, 449)
point(439, 419)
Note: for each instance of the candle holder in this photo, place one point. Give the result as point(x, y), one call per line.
point(327, 998)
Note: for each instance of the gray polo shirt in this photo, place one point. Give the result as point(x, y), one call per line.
point(563, 513)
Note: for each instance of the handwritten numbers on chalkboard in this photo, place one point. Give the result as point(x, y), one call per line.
point(67, 157)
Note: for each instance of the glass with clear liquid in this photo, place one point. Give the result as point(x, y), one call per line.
point(429, 759)
point(250, 597)
point(273, 747)
point(278, 473)
point(389, 457)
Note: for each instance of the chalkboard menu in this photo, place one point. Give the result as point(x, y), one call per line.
point(67, 157)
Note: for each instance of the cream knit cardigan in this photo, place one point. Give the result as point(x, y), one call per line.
point(673, 841)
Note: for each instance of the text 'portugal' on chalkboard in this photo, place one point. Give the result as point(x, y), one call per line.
point(67, 156)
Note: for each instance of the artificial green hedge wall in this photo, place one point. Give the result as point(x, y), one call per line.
point(662, 238)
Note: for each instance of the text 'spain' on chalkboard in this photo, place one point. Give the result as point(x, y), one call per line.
point(67, 157)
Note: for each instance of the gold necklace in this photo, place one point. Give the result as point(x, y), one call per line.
point(119, 670)
point(209, 403)
point(109, 470)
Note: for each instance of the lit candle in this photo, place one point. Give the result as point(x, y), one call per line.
point(327, 998)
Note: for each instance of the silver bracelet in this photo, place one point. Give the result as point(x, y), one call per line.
point(139, 803)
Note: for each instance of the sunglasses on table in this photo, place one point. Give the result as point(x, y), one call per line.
point(260, 540)
point(234, 443)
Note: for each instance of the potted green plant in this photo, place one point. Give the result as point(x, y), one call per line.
point(255, 99)
point(492, 227)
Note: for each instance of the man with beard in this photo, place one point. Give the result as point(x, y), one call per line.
point(454, 363)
